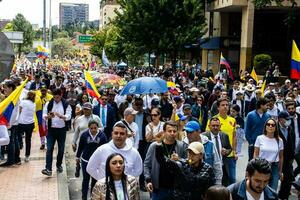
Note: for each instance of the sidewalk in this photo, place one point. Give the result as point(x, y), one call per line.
point(26, 182)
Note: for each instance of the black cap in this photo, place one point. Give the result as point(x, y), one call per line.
point(284, 114)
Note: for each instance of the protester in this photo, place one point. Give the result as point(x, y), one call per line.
point(57, 111)
point(192, 177)
point(154, 130)
point(217, 192)
point(118, 144)
point(89, 141)
point(116, 185)
point(270, 147)
point(159, 179)
point(255, 185)
point(26, 121)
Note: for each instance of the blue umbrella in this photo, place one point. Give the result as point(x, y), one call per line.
point(145, 85)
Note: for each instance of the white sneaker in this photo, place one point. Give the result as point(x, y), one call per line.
point(27, 159)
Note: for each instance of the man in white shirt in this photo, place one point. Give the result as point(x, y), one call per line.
point(57, 111)
point(118, 144)
point(132, 127)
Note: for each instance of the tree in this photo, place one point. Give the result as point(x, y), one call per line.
point(62, 47)
point(19, 23)
point(262, 62)
point(161, 26)
point(264, 3)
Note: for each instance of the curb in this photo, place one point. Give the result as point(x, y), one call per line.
point(62, 183)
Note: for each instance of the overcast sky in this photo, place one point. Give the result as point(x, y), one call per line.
point(33, 9)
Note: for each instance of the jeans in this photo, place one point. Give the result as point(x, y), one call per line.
point(273, 183)
point(240, 134)
point(13, 148)
point(86, 181)
point(59, 135)
point(229, 171)
point(162, 194)
point(27, 128)
point(250, 151)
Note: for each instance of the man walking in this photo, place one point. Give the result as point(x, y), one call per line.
point(57, 111)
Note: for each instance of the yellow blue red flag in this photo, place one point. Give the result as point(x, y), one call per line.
point(91, 87)
point(295, 63)
point(7, 105)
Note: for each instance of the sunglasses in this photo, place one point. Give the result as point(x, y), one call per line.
point(154, 115)
point(271, 124)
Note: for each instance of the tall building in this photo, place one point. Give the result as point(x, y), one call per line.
point(107, 11)
point(73, 12)
point(240, 31)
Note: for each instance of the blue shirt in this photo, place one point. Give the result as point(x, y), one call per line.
point(254, 125)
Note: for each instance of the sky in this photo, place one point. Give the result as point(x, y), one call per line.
point(33, 9)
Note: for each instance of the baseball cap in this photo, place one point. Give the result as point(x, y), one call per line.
point(284, 114)
point(87, 105)
point(192, 126)
point(196, 147)
point(177, 99)
point(186, 106)
point(130, 111)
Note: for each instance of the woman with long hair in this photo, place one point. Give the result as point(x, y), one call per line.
point(26, 120)
point(116, 185)
point(270, 147)
point(154, 130)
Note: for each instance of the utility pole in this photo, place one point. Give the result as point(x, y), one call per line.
point(44, 24)
point(50, 28)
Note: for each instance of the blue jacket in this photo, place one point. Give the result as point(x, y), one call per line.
point(254, 125)
point(238, 191)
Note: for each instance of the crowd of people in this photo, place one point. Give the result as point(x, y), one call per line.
point(182, 144)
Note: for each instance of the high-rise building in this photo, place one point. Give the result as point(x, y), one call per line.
point(107, 11)
point(73, 13)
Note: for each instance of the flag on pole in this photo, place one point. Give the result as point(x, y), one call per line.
point(91, 87)
point(105, 60)
point(223, 61)
point(254, 75)
point(7, 105)
point(295, 63)
point(263, 87)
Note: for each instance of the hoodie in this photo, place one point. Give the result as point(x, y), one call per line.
point(97, 162)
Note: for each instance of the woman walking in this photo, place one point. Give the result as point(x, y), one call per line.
point(270, 147)
point(154, 129)
point(116, 185)
point(26, 121)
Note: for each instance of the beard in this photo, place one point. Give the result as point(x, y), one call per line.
point(256, 190)
point(292, 113)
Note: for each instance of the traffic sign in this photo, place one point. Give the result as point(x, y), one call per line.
point(84, 38)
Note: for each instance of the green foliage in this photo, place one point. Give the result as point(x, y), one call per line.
point(8, 27)
point(19, 23)
point(262, 62)
point(264, 3)
point(62, 47)
point(160, 26)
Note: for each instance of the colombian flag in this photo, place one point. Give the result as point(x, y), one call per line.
point(172, 88)
point(7, 105)
point(295, 64)
point(223, 61)
point(90, 86)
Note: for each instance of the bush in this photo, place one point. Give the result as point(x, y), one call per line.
point(261, 63)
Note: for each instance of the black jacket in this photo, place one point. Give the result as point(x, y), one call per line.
point(189, 183)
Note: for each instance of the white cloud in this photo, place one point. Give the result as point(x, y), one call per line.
point(33, 9)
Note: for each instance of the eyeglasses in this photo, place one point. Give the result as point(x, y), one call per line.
point(104, 99)
point(154, 115)
point(270, 124)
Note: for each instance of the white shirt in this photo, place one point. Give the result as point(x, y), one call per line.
point(147, 101)
point(219, 148)
point(4, 138)
point(273, 112)
point(58, 107)
point(133, 141)
point(156, 129)
point(268, 148)
point(27, 112)
point(249, 196)
point(119, 190)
